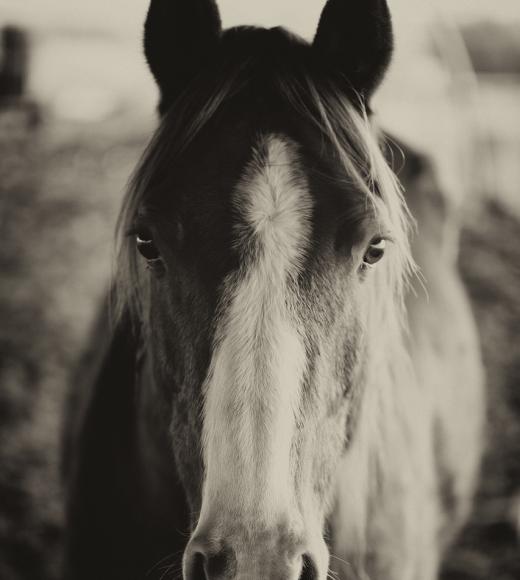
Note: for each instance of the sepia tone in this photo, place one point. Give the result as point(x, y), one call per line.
point(78, 108)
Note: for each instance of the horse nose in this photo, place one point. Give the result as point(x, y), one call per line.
point(201, 562)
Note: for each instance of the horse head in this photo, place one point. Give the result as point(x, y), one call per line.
point(264, 250)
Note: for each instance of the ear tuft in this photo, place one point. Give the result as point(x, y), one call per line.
point(356, 36)
point(179, 37)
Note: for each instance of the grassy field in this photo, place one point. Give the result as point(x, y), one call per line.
point(59, 191)
point(60, 187)
point(490, 262)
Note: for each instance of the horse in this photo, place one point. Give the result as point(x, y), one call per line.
point(291, 385)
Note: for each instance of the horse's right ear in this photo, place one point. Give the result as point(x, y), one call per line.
point(179, 36)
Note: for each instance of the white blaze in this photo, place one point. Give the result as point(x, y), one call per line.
point(252, 392)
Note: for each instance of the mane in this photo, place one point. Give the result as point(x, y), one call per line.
point(343, 122)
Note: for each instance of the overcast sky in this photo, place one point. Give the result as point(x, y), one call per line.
point(125, 16)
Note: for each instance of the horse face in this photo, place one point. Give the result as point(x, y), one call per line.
point(259, 251)
point(258, 311)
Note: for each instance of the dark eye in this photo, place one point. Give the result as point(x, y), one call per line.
point(375, 251)
point(146, 246)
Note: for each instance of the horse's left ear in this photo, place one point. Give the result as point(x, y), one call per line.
point(179, 36)
point(356, 36)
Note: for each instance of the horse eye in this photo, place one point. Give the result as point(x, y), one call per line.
point(146, 246)
point(375, 251)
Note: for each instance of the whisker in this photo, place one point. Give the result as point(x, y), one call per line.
point(341, 560)
point(175, 569)
point(175, 554)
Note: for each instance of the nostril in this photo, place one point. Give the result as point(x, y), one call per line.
point(309, 571)
point(197, 571)
point(206, 566)
point(219, 564)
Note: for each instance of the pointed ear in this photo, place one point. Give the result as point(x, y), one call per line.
point(179, 36)
point(356, 36)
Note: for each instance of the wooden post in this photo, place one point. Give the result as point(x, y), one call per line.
point(14, 65)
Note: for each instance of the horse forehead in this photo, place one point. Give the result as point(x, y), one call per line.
point(273, 192)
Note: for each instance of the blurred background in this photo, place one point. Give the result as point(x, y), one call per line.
point(76, 109)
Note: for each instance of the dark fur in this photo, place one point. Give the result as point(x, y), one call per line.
point(125, 506)
point(179, 38)
point(356, 35)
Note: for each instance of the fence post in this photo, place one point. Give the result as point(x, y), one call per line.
point(14, 65)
